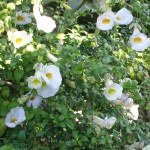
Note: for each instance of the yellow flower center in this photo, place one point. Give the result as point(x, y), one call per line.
point(1, 28)
point(43, 84)
point(20, 18)
point(106, 21)
point(19, 40)
point(111, 91)
point(13, 120)
point(137, 40)
point(32, 98)
point(118, 18)
point(108, 124)
point(49, 75)
point(36, 81)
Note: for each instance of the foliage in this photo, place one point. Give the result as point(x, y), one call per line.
point(85, 56)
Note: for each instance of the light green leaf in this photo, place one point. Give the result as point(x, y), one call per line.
point(74, 4)
point(6, 148)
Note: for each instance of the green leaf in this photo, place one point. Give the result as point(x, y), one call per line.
point(3, 127)
point(69, 123)
point(78, 69)
point(21, 136)
point(63, 109)
point(29, 115)
point(6, 148)
point(4, 107)
point(74, 4)
point(12, 105)
point(93, 140)
point(5, 91)
point(84, 138)
point(66, 6)
point(40, 133)
point(148, 107)
point(80, 142)
point(18, 73)
point(45, 2)
point(86, 6)
point(70, 83)
point(115, 135)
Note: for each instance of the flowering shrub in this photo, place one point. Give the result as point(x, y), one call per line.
point(74, 75)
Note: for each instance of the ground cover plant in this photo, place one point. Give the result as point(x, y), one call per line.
point(74, 75)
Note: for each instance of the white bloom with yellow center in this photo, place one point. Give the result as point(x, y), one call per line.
point(34, 101)
point(23, 18)
point(46, 91)
point(123, 17)
point(44, 23)
point(139, 41)
point(20, 38)
point(105, 21)
point(15, 117)
point(34, 82)
point(51, 75)
point(113, 92)
point(106, 123)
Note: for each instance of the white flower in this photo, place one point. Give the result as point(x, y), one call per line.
point(38, 67)
point(36, 10)
point(123, 17)
point(34, 82)
point(113, 92)
point(146, 147)
point(128, 102)
point(46, 91)
point(51, 75)
point(124, 101)
point(137, 145)
point(20, 38)
point(34, 101)
point(106, 123)
point(110, 122)
point(127, 147)
point(139, 41)
point(109, 82)
point(52, 57)
point(15, 117)
point(23, 18)
point(134, 113)
point(10, 33)
point(44, 23)
point(99, 121)
point(108, 78)
point(105, 21)
point(118, 102)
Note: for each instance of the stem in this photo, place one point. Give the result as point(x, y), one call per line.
point(128, 5)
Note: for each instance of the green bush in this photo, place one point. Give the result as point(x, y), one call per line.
point(87, 58)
